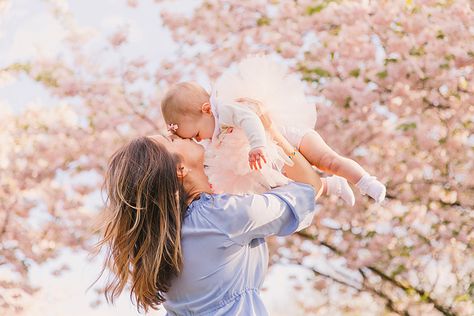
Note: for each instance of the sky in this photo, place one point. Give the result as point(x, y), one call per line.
point(29, 29)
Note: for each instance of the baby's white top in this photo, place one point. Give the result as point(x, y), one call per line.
point(238, 115)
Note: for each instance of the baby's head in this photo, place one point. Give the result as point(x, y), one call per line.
point(186, 106)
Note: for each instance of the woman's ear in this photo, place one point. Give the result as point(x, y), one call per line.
point(206, 108)
point(181, 170)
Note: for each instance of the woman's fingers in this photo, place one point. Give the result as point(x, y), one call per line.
point(255, 103)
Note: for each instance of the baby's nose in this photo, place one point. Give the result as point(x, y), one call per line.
point(198, 138)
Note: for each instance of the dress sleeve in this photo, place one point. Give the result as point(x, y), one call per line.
point(280, 211)
point(245, 118)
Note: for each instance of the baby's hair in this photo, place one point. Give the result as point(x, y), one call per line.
point(183, 99)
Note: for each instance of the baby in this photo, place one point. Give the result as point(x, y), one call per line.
point(192, 113)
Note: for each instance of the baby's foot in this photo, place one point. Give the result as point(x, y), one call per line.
point(372, 187)
point(338, 186)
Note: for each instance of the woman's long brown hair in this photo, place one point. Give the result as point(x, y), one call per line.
point(144, 210)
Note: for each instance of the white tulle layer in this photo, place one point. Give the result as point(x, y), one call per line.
point(283, 98)
point(228, 169)
point(263, 79)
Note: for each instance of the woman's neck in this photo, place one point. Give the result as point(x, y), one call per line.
point(195, 183)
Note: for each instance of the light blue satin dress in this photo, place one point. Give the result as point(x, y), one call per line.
point(225, 253)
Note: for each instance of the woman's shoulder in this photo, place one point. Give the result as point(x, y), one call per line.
point(225, 213)
point(217, 201)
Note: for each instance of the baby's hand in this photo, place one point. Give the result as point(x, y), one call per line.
point(256, 156)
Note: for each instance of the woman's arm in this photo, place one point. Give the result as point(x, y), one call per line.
point(280, 211)
point(301, 170)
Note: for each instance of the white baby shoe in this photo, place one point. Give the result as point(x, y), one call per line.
point(372, 187)
point(338, 186)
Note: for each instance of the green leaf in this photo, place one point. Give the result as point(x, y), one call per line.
point(390, 60)
point(321, 72)
point(370, 233)
point(313, 74)
point(410, 291)
point(406, 126)
point(20, 67)
point(405, 251)
point(416, 9)
point(440, 34)
point(462, 298)
point(417, 51)
point(424, 297)
point(382, 74)
point(315, 9)
point(319, 7)
point(470, 290)
point(401, 268)
point(355, 72)
point(310, 79)
point(449, 57)
point(347, 104)
point(47, 79)
point(264, 20)
point(334, 30)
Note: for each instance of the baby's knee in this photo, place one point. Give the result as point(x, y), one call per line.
point(331, 161)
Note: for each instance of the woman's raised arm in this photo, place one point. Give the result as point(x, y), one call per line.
point(301, 170)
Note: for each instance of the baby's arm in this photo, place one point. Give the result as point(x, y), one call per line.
point(245, 118)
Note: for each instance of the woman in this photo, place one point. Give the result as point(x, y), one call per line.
point(195, 252)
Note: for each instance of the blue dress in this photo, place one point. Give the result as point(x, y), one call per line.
point(225, 254)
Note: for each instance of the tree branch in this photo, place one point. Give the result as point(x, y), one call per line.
point(401, 285)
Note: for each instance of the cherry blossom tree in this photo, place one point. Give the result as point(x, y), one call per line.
point(393, 83)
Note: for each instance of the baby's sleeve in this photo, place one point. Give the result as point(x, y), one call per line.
point(280, 211)
point(245, 118)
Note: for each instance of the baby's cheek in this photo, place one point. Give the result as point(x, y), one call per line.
point(208, 134)
point(181, 135)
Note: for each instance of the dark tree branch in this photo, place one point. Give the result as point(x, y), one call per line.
point(399, 284)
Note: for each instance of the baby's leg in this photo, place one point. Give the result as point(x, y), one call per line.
point(319, 154)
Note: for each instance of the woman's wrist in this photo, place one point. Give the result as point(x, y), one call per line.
point(282, 141)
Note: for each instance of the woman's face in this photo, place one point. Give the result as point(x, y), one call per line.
point(191, 152)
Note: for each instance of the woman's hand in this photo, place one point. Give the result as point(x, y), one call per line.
point(257, 106)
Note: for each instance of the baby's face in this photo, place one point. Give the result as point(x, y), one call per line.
point(196, 128)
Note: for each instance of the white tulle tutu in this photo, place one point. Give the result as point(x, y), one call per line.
point(282, 94)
